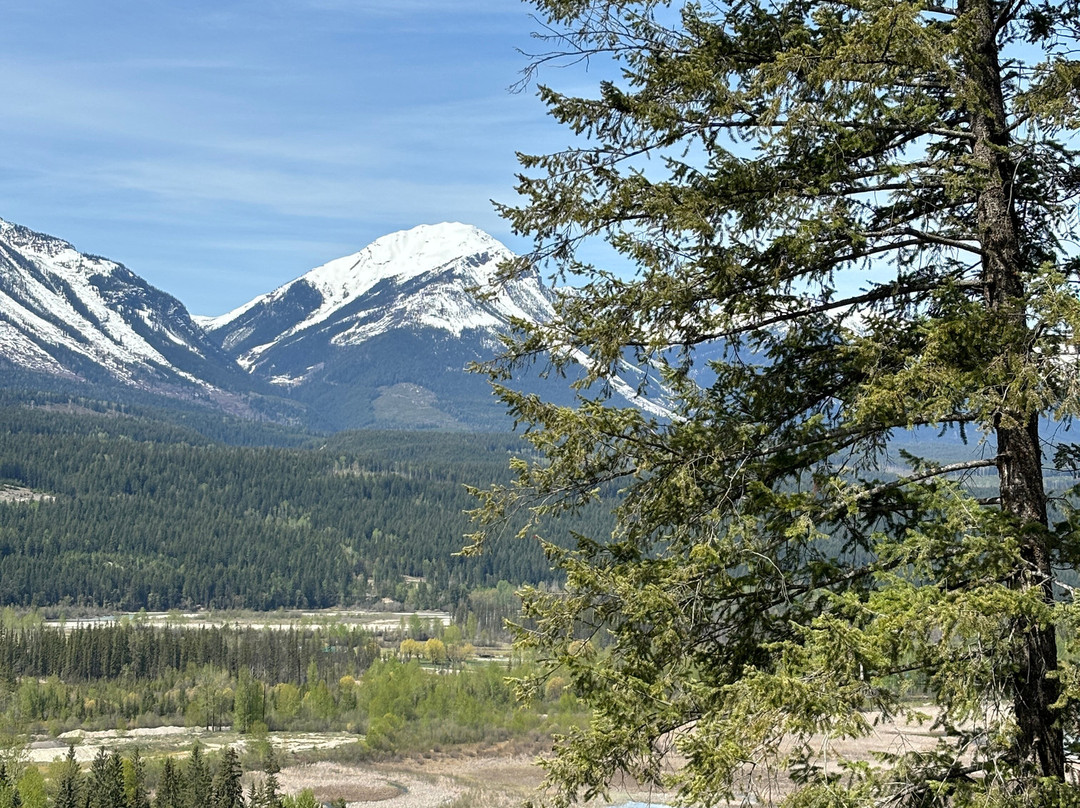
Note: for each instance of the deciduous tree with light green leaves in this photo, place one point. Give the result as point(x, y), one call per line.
point(822, 228)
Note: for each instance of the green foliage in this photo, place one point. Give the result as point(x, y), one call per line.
point(170, 791)
point(197, 690)
point(138, 514)
point(128, 672)
point(409, 708)
point(310, 679)
point(305, 799)
point(271, 793)
point(226, 790)
point(826, 225)
point(105, 784)
point(197, 786)
point(249, 706)
point(135, 781)
point(31, 787)
point(70, 783)
point(9, 793)
point(405, 708)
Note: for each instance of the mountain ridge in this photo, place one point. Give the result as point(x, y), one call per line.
point(377, 338)
point(399, 319)
point(84, 317)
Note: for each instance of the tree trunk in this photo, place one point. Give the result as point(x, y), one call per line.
point(1019, 462)
point(1035, 684)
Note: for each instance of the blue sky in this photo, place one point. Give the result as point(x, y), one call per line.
point(222, 148)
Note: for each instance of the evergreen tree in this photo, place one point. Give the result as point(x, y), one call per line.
point(105, 788)
point(227, 791)
point(271, 788)
point(170, 791)
point(69, 786)
point(9, 794)
point(198, 778)
point(113, 787)
point(135, 781)
point(96, 780)
point(835, 227)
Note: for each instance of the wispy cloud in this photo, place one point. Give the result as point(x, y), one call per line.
point(408, 8)
point(246, 140)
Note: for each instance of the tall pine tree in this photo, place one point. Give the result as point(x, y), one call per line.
point(69, 785)
point(198, 778)
point(135, 781)
point(170, 790)
point(833, 230)
point(227, 790)
point(105, 787)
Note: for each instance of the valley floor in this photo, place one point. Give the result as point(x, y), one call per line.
point(499, 776)
point(490, 776)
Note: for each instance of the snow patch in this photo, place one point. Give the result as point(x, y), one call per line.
point(397, 258)
point(84, 305)
point(626, 390)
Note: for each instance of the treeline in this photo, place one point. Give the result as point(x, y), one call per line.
point(58, 678)
point(135, 518)
point(130, 651)
point(114, 781)
point(55, 679)
point(394, 706)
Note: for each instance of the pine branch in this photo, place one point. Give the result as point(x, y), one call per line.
point(937, 471)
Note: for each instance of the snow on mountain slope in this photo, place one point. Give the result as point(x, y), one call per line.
point(84, 317)
point(418, 278)
point(378, 338)
point(401, 315)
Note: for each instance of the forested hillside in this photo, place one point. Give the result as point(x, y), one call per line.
point(135, 513)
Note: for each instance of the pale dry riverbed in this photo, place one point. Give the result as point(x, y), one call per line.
point(377, 621)
point(175, 740)
point(489, 777)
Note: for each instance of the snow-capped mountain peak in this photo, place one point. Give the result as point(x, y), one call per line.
point(396, 257)
point(379, 337)
point(417, 278)
point(402, 255)
point(55, 253)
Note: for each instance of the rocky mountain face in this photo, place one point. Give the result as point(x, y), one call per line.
point(83, 318)
point(382, 337)
point(379, 338)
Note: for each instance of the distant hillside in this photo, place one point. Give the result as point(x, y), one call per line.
point(380, 338)
point(137, 513)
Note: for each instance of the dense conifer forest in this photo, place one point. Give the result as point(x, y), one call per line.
point(107, 506)
point(131, 511)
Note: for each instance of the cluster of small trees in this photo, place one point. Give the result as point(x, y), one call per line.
point(131, 650)
point(96, 676)
point(117, 782)
point(436, 651)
